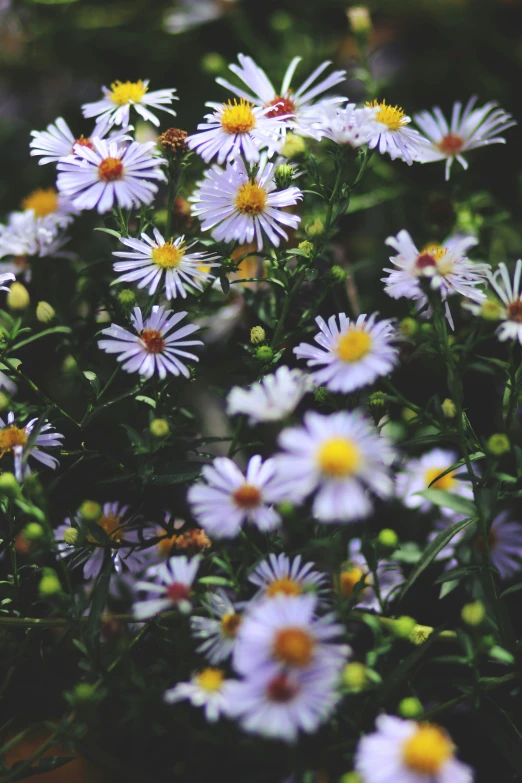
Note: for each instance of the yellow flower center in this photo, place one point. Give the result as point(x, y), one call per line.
point(349, 579)
point(42, 202)
point(427, 750)
point(445, 483)
point(110, 169)
point(353, 345)
point(165, 544)
point(10, 437)
point(238, 117)
point(168, 255)
point(112, 526)
point(230, 623)
point(339, 457)
point(391, 116)
point(127, 92)
point(283, 586)
point(294, 646)
point(251, 198)
point(210, 680)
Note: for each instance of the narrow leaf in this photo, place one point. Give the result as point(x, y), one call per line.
point(441, 498)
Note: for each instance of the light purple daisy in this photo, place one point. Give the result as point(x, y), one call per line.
point(279, 575)
point(14, 440)
point(172, 587)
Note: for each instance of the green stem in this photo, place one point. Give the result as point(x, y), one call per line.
point(299, 277)
point(38, 391)
point(53, 622)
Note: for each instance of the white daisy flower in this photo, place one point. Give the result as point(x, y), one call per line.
point(229, 498)
point(6, 277)
point(397, 139)
point(155, 261)
point(350, 125)
point(58, 141)
point(475, 128)
point(355, 352)
point(510, 295)
point(298, 107)
point(207, 689)
point(110, 174)
point(116, 104)
point(284, 703)
point(27, 235)
point(404, 751)
point(278, 575)
point(172, 587)
point(152, 349)
point(272, 398)
point(243, 210)
point(14, 440)
point(356, 573)
point(235, 129)
point(50, 208)
point(446, 267)
point(218, 631)
point(339, 456)
point(421, 473)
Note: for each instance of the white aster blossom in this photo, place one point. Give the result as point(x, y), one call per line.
point(110, 174)
point(404, 751)
point(272, 398)
point(207, 689)
point(350, 125)
point(219, 630)
point(510, 294)
point(423, 473)
point(244, 210)
point(154, 348)
point(14, 440)
point(155, 260)
point(353, 353)
point(172, 587)
point(278, 575)
point(116, 103)
point(24, 235)
point(301, 113)
point(58, 141)
point(474, 128)
point(397, 139)
point(338, 457)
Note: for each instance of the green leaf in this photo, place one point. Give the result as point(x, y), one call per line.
point(498, 726)
point(433, 549)
point(93, 380)
point(146, 400)
point(458, 573)
point(181, 471)
point(458, 464)
point(109, 230)
point(215, 580)
point(510, 590)
point(45, 333)
point(502, 655)
point(399, 674)
point(379, 196)
point(443, 499)
point(99, 597)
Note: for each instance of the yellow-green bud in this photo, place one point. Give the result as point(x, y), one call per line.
point(350, 777)
point(408, 327)
point(286, 509)
point(5, 402)
point(498, 444)
point(306, 247)
point(408, 415)
point(355, 676)
point(33, 531)
point(426, 328)
point(213, 63)
point(90, 510)
point(410, 708)
point(491, 310)
point(83, 693)
point(393, 430)
point(339, 273)
point(69, 364)
point(45, 312)
point(420, 633)
point(9, 486)
point(360, 19)
point(159, 428)
point(127, 299)
point(49, 583)
point(264, 353)
point(388, 538)
point(18, 297)
point(377, 402)
point(403, 627)
point(280, 21)
point(257, 335)
point(449, 408)
point(284, 175)
point(293, 146)
point(70, 535)
point(474, 613)
point(315, 228)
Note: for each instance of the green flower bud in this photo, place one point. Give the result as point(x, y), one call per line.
point(388, 539)
point(403, 627)
point(408, 327)
point(257, 335)
point(90, 510)
point(18, 297)
point(5, 402)
point(281, 22)
point(350, 777)
point(408, 415)
point(473, 614)
point(69, 364)
point(213, 63)
point(498, 444)
point(83, 693)
point(49, 584)
point(71, 535)
point(307, 248)
point(377, 402)
point(286, 509)
point(355, 676)
point(45, 312)
point(449, 408)
point(127, 299)
point(315, 228)
point(420, 633)
point(159, 428)
point(293, 146)
point(339, 273)
point(426, 328)
point(360, 20)
point(284, 175)
point(9, 486)
point(491, 309)
point(410, 708)
point(33, 531)
point(321, 394)
point(264, 353)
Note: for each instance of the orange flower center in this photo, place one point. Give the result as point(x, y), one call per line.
point(294, 646)
point(153, 340)
point(283, 586)
point(280, 689)
point(251, 199)
point(247, 496)
point(178, 592)
point(281, 106)
point(451, 144)
point(514, 311)
point(349, 579)
point(164, 545)
point(230, 623)
point(110, 170)
point(10, 437)
point(83, 142)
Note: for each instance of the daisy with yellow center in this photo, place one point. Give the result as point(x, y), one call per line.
point(339, 458)
point(217, 631)
point(58, 141)
point(243, 210)
point(351, 354)
point(425, 473)
point(115, 106)
point(357, 582)
point(393, 134)
point(509, 309)
point(207, 689)
point(401, 750)
point(14, 439)
point(152, 262)
point(42, 202)
point(279, 575)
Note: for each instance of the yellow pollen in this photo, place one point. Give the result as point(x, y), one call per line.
point(353, 345)
point(210, 680)
point(251, 198)
point(203, 269)
point(165, 544)
point(168, 255)
point(110, 169)
point(238, 117)
point(42, 202)
point(112, 526)
point(437, 252)
point(349, 579)
point(294, 646)
point(391, 116)
point(283, 586)
point(427, 750)
point(127, 92)
point(10, 437)
point(445, 483)
point(230, 623)
point(339, 457)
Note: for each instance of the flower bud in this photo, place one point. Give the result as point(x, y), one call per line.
point(315, 228)
point(410, 708)
point(307, 248)
point(350, 777)
point(213, 63)
point(284, 175)
point(403, 627)
point(159, 428)
point(45, 312)
point(449, 408)
point(420, 633)
point(9, 486)
point(339, 273)
point(264, 353)
point(426, 328)
point(70, 535)
point(355, 676)
point(408, 327)
point(127, 299)
point(69, 364)
point(5, 402)
point(18, 297)
point(286, 509)
point(473, 614)
point(491, 310)
point(281, 22)
point(498, 444)
point(388, 539)
point(83, 693)
point(377, 403)
point(257, 335)
point(90, 510)
point(293, 146)
point(49, 583)
point(393, 430)
point(408, 415)
point(360, 20)
point(33, 531)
